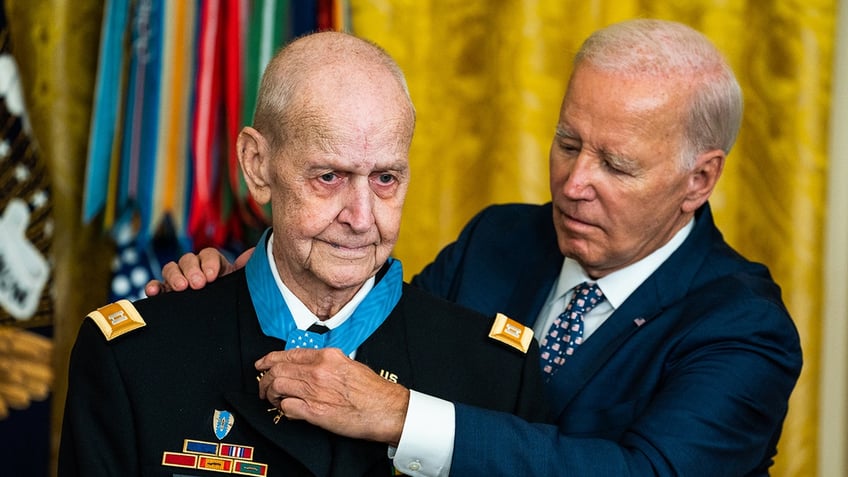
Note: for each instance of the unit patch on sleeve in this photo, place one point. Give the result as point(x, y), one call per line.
point(510, 332)
point(117, 318)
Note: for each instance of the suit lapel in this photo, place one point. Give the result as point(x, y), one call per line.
point(386, 351)
point(323, 453)
point(302, 441)
point(597, 350)
point(533, 286)
point(667, 285)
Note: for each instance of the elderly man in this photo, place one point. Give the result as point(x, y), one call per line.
point(169, 383)
point(678, 356)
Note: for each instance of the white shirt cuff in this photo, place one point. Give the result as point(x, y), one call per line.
point(426, 442)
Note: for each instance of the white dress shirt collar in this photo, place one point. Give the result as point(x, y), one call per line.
point(303, 317)
point(618, 285)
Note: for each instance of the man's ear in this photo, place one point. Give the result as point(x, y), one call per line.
point(703, 178)
point(255, 161)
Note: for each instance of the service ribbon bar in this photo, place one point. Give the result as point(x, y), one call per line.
point(215, 463)
point(250, 468)
point(176, 459)
point(225, 458)
point(200, 447)
point(230, 450)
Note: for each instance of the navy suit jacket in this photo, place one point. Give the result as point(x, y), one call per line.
point(689, 376)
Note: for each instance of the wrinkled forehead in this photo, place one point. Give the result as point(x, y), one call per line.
point(334, 105)
point(354, 134)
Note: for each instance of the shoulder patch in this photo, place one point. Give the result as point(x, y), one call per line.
point(508, 331)
point(117, 319)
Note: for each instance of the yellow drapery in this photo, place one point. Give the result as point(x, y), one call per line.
point(488, 77)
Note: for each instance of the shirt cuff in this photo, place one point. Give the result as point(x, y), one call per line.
point(426, 442)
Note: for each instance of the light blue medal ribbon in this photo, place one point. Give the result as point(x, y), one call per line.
point(306, 339)
point(105, 108)
point(276, 320)
point(147, 141)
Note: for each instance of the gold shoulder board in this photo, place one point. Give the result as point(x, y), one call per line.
point(508, 331)
point(117, 318)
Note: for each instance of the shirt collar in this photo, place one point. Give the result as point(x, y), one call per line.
point(619, 285)
point(303, 317)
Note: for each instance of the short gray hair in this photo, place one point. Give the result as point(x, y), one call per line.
point(663, 48)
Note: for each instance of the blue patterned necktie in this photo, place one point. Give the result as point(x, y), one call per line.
point(566, 332)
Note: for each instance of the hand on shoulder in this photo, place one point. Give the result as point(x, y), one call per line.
point(195, 271)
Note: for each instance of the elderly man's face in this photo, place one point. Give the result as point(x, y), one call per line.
point(618, 190)
point(338, 188)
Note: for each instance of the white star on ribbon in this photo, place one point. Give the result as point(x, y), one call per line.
point(21, 173)
point(38, 199)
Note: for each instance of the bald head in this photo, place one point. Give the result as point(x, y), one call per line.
point(322, 72)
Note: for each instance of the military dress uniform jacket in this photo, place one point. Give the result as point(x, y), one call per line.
point(690, 375)
point(152, 394)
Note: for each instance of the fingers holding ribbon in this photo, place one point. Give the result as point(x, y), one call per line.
point(332, 391)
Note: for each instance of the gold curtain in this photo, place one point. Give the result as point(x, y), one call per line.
point(488, 77)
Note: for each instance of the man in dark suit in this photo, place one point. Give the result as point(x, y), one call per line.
point(168, 384)
point(677, 356)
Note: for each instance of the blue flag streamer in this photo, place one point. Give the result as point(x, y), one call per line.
point(106, 106)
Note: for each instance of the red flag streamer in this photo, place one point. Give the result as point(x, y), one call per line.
point(233, 30)
point(326, 15)
point(203, 215)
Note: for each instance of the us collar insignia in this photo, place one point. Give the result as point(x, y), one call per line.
point(222, 422)
point(389, 376)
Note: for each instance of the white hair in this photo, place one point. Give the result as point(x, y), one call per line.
point(668, 49)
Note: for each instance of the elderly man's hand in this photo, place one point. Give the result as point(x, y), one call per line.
point(332, 391)
point(195, 271)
